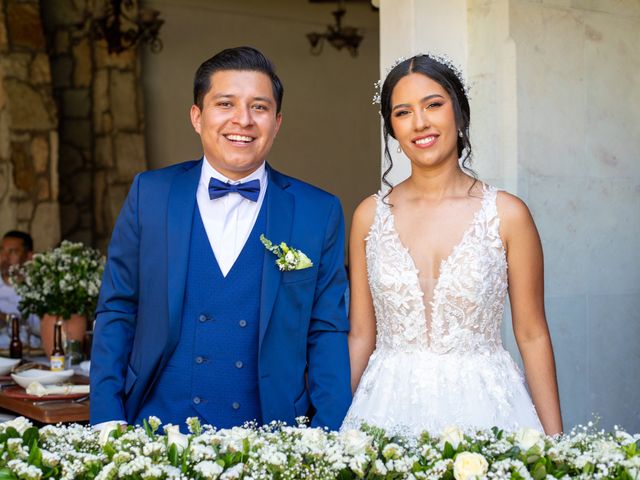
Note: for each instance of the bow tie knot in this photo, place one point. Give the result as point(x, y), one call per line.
point(249, 190)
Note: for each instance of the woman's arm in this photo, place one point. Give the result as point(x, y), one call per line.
point(362, 333)
point(526, 295)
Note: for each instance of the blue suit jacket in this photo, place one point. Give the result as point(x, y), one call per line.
point(303, 324)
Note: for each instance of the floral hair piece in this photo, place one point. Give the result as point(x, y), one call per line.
point(443, 59)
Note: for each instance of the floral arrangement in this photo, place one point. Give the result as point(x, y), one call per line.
point(277, 451)
point(62, 281)
point(289, 258)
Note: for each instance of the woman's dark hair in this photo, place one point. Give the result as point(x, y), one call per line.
point(237, 58)
point(449, 80)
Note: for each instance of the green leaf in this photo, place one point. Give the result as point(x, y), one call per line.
point(6, 474)
point(448, 452)
point(108, 450)
point(147, 428)
point(539, 472)
point(35, 455)
point(174, 457)
point(30, 435)
point(12, 433)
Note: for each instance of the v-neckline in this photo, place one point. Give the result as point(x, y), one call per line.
point(445, 261)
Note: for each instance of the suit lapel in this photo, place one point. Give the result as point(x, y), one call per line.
point(182, 204)
point(280, 206)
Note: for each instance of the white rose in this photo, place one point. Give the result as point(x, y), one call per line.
point(174, 437)
point(105, 431)
point(526, 438)
point(356, 442)
point(469, 465)
point(453, 435)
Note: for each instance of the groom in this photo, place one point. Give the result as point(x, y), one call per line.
point(195, 318)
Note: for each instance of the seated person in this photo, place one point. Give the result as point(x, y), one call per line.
point(15, 249)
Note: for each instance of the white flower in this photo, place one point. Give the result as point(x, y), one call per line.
point(453, 435)
point(208, 469)
point(154, 422)
point(469, 465)
point(21, 424)
point(174, 437)
point(379, 468)
point(392, 451)
point(105, 432)
point(356, 442)
point(234, 473)
point(527, 438)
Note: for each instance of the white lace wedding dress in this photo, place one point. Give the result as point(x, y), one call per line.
point(446, 366)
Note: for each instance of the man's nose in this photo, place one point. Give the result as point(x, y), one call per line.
point(243, 116)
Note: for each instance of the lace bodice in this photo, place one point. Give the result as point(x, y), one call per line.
point(468, 297)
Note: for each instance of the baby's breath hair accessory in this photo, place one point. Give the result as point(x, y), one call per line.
point(440, 58)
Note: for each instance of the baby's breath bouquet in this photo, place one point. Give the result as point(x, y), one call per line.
point(60, 282)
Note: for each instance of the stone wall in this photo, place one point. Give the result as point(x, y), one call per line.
point(101, 121)
point(28, 127)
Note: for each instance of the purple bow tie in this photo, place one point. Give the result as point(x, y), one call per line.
point(249, 190)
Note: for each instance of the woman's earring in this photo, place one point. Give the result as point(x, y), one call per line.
point(399, 150)
point(460, 133)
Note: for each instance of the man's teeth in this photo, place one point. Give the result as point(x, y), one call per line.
point(239, 138)
point(425, 140)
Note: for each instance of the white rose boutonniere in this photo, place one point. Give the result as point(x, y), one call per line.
point(288, 257)
point(469, 465)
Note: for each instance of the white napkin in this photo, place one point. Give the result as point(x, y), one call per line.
point(39, 390)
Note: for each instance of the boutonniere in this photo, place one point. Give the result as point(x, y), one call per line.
point(288, 257)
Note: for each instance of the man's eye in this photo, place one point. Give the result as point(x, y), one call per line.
point(224, 104)
point(260, 107)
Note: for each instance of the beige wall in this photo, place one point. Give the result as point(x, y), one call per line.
point(330, 133)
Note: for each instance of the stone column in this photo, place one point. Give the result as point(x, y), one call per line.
point(101, 121)
point(28, 127)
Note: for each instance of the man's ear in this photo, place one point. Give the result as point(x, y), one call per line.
point(29, 255)
point(196, 115)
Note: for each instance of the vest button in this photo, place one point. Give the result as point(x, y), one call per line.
point(203, 318)
point(235, 405)
point(199, 360)
point(242, 323)
point(239, 364)
point(196, 400)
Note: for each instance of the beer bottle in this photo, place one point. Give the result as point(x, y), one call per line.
point(57, 355)
point(15, 347)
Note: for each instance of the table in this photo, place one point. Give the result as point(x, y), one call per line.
point(52, 411)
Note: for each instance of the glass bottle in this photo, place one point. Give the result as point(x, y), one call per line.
point(15, 347)
point(57, 355)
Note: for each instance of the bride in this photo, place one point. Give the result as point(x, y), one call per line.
point(431, 261)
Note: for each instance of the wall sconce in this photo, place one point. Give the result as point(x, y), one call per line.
point(337, 35)
point(123, 28)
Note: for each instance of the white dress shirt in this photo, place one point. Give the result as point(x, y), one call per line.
point(9, 300)
point(228, 220)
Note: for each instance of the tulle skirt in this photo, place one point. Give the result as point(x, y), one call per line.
point(409, 392)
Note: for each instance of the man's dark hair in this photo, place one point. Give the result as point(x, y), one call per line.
point(27, 241)
point(237, 58)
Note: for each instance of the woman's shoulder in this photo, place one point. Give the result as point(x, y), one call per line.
point(364, 214)
point(512, 210)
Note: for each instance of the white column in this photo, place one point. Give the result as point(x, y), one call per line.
point(409, 27)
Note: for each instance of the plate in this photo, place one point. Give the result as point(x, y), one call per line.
point(7, 364)
point(19, 392)
point(44, 377)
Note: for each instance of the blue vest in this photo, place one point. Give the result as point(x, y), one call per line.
point(213, 372)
